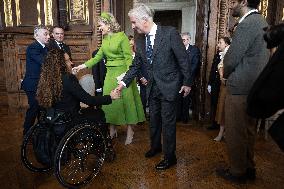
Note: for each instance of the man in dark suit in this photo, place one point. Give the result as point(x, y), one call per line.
point(161, 51)
point(99, 74)
point(34, 58)
point(58, 40)
point(243, 62)
point(186, 103)
point(143, 81)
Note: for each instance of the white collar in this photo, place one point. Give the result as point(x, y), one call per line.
point(58, 43)
point(222, 53)
point(243, 17)
point(153, 30)
point(43, 45)
point(186, 47)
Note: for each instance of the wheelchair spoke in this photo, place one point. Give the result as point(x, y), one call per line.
point(86, 148)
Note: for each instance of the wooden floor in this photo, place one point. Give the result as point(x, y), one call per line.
point(198, 157)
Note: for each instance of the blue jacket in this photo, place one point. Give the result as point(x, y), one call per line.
point(34, 59)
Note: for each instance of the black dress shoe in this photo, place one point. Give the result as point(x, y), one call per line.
point(227, 175)
point(251, 174)
point(166, 163)
point(152, 152)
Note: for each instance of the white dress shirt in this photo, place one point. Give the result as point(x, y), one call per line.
point(43, 45)
point(152, 34)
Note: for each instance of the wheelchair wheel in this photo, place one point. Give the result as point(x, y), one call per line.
point(79, 155)
point(28, 155)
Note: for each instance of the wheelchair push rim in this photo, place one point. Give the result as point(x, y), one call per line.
point(80, 155)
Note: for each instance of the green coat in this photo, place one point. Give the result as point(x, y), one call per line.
point(128, 109)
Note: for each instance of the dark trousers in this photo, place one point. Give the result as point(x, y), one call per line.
point(214, 100)
point(162, 121)
point(143, 97)
point(32, 111)
point(183, 105)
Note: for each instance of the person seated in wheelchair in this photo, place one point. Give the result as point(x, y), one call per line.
point(60, 90)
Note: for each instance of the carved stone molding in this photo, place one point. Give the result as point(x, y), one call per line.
point(8, 13)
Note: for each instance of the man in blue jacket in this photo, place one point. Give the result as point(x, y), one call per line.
point(34, 58)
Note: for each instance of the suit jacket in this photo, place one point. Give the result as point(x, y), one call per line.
point(52, 44)
point(99, 72)
point(142, 73)
point(266, 95)
point(34, 59)
point(194, 58)
point(169, 63)
point(246, 56)
point(214, 77)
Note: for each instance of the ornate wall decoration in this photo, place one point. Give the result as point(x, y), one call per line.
point(78, 11)
point(28, 12)
point(48, 12)
point(8, 13)
point(223, 18)
point(283, 14)
point(263, 7)
point(38, 10)
point(98, 13)
point(18, 12)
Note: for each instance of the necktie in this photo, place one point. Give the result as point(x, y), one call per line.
point(149, 49)
point(61, 45)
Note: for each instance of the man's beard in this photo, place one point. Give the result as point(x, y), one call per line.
point(236, 12)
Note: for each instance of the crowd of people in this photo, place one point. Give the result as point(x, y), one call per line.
point(166, 78)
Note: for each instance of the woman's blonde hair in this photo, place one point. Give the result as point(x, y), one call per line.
point(109, 19)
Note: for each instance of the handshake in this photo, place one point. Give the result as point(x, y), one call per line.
point(116, 93)
point(76, 69)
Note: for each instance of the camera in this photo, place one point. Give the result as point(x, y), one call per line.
point(274, 35)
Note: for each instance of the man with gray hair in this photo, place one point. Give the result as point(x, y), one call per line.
point(160, 50)
point(34, 58)
point(186, 103)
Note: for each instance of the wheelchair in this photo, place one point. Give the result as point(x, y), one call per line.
point(76, 154)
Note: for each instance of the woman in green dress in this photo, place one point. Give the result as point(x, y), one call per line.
point(128, 110)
